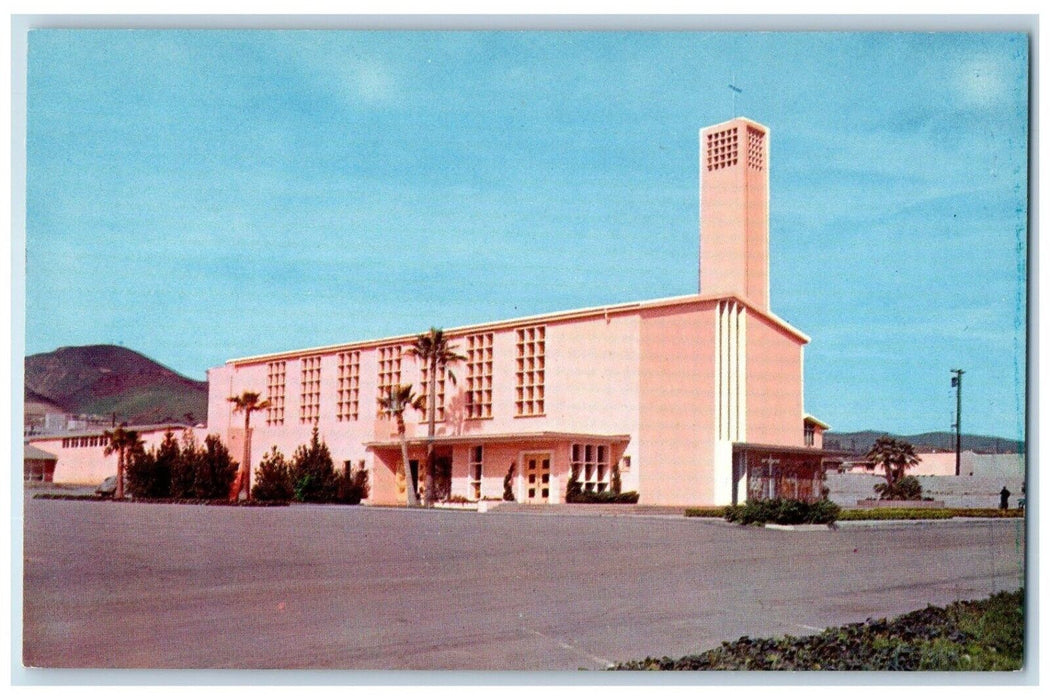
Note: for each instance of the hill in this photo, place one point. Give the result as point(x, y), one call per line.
point(859, 442)
point(107, 379)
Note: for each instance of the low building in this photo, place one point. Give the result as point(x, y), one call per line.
point(38, 465)
point(80, 456)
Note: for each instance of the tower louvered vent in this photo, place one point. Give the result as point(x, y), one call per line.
point(755, 152)
point(722, 149)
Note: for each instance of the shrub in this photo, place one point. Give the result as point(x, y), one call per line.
point(215, 470)
point(615, 485)
point(184, 470)
point(906, 488)
point(149, 474)
point(783, 511)
point(603, 497)
point(508, 484)
point(573, 489)
point(707, 512)
point(313, 474)
point(273, 478)
point(352, 486)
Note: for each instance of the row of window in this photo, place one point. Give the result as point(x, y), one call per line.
point(529, 386)
point(85, 441)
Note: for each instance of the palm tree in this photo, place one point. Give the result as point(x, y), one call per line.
point(394, 403)
point(248, 402)
point(122, 442)
point(433, 349)
point(894, 456)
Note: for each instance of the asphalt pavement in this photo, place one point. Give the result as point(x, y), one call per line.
point(121, 585)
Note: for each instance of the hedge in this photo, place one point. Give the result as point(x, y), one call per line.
point(706, 512)
point(603, 497)
point(783, 511)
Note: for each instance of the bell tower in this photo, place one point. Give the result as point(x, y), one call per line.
point(734, 211)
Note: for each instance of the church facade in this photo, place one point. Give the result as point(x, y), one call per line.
point(695, 400)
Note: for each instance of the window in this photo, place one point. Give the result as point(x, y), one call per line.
point(349, 385)
point(474, 470)
point(722, 150)
point(591, 464)
point(275, 381)
point(439, 404)
point(388, 375)
point(625, 464)
point(531, 354)
point(810, 434)
point(755, 154)
point(479, 376)
point(310, 389)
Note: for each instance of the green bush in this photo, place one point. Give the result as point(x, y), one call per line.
point(313, 474)
point(573, 489)
point(508, 484)
point(706, 512)
point(603, 497)
point(983, 635)
point(352, 486)
point(215, 470)
point(184, 470)
point(273, 478)
point(149, 473)
point(783, 511)
point(906, 488)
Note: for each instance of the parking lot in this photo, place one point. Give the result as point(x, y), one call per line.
point(174, 586)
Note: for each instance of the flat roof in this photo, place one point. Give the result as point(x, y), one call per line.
point(501, 437)
point(552, 317)
point(90, 432)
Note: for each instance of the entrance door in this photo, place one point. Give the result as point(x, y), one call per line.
point(537, 477)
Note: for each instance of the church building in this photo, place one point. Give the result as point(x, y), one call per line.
point(696, 399)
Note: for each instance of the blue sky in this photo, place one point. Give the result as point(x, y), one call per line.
point(198, 196)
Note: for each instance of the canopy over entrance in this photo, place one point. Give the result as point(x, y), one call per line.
point(762, 472)
point(535, 466)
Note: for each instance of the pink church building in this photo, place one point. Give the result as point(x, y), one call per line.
point(697, 399)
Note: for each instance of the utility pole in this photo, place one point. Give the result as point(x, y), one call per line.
point(957, 383)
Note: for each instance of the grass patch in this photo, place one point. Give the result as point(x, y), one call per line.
point(983, 635)
point(927, 513)
point(885, 513)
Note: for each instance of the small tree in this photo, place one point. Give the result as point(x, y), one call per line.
point(150, 473)
point(184, 468)
point(247, 402)
point(615, 485)
point(215, 470)
point(894, 457)
point(573, 489)
point(313, 473)
point(508, 484)
point(433, 350)
point(273, 478)
point(352, 486)
point(394, 403)
point(122, 442)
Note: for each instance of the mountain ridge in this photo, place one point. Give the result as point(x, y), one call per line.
point(110, 379)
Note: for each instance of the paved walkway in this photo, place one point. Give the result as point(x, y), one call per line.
point(166, 586)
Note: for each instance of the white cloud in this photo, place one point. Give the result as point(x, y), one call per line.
point(371, 81)
point(981, 82)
